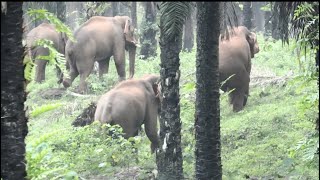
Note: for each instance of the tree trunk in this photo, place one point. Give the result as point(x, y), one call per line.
point(258, 16)
point(74, 10)
point(247, 13)
point(134, 14)
point(61, 11)
point(274, 24)
point(207, 115)
point(13, 121)
point(148, 40)
point(169, 155)
point(188, 37)
point(267, 22)
point(115, 8)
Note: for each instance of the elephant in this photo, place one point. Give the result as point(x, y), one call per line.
point(97, 40)
point(235, 56)
point(130, 104)
point(45, 31)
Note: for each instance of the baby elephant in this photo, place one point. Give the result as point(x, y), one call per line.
point(130, 104)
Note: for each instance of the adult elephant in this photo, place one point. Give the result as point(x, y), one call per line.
point(48, 32)
point(130, 104)
point(97, 40)
point(235, 56)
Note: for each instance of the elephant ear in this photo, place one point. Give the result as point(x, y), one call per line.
point(252, 40)
point(128, 32)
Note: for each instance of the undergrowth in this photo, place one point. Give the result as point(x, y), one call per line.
point(272, 138)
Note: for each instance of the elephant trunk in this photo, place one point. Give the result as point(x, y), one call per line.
point(132, 58)
point(40, 70)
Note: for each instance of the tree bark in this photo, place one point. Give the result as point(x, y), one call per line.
point(258, 16)
point(274, 24)
point(247, 13)
point(115, 8)
point(134, 14)
point(169, 155)
point(148, 40)
point(188, 36)
point(267, 22)
point(61, 11)
point(13, 121)
point(73, 9)
point(207, 115)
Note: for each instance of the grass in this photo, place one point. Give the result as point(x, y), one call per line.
point(260, 141)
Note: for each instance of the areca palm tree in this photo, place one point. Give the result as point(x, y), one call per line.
point(207, 124)
point(13, 120)
point(169, 155)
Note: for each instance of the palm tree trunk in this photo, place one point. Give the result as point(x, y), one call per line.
point(74, 8)
point(247, 13)
point(148, 40)
point(13, 121)
point(188, 36)
point(169, 155)
point(134, 14)
point(258, 16)
point(61, 11)
point(115, 8)
point(267, 23)
point(207, 115)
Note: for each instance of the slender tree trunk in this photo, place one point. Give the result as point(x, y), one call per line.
point(169, 155)
point(115, 8)
point(148, 40)
point(188, 36)
point(267, 22)
point(247, 13)
point(274, 24)
point(61, 11)
point(13, 121)
point(134, 14)
point(258, 16)
point(207, 115)
point(74, 10)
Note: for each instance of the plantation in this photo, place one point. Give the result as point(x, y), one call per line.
point(272, 138)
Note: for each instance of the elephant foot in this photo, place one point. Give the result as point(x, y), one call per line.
point(66, 83)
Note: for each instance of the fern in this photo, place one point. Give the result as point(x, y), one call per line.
point(45, 108)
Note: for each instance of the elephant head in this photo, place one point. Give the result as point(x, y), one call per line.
point(253, 43)
point(130, 104)
point(128, 29)
point(251, 37)
point(131, 42)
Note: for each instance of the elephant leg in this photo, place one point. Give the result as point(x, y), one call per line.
point(103, 67)
point(119, 59)
point(246, 94)
point(40, 70)
point(150, 126)
point(85, 72)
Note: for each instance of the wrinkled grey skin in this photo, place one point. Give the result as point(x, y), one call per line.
point(235, 58)
point(97, 40)
point(130, 104)
point(45, 31)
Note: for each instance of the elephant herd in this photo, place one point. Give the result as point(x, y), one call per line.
point(134, 102)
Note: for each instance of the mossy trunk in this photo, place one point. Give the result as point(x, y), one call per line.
point(207, 115)
point(13, 120)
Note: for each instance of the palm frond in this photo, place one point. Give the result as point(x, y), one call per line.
point(228, 19)
point(303, 16)
point(173, 16)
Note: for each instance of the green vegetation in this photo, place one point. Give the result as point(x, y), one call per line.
point(273, 137)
